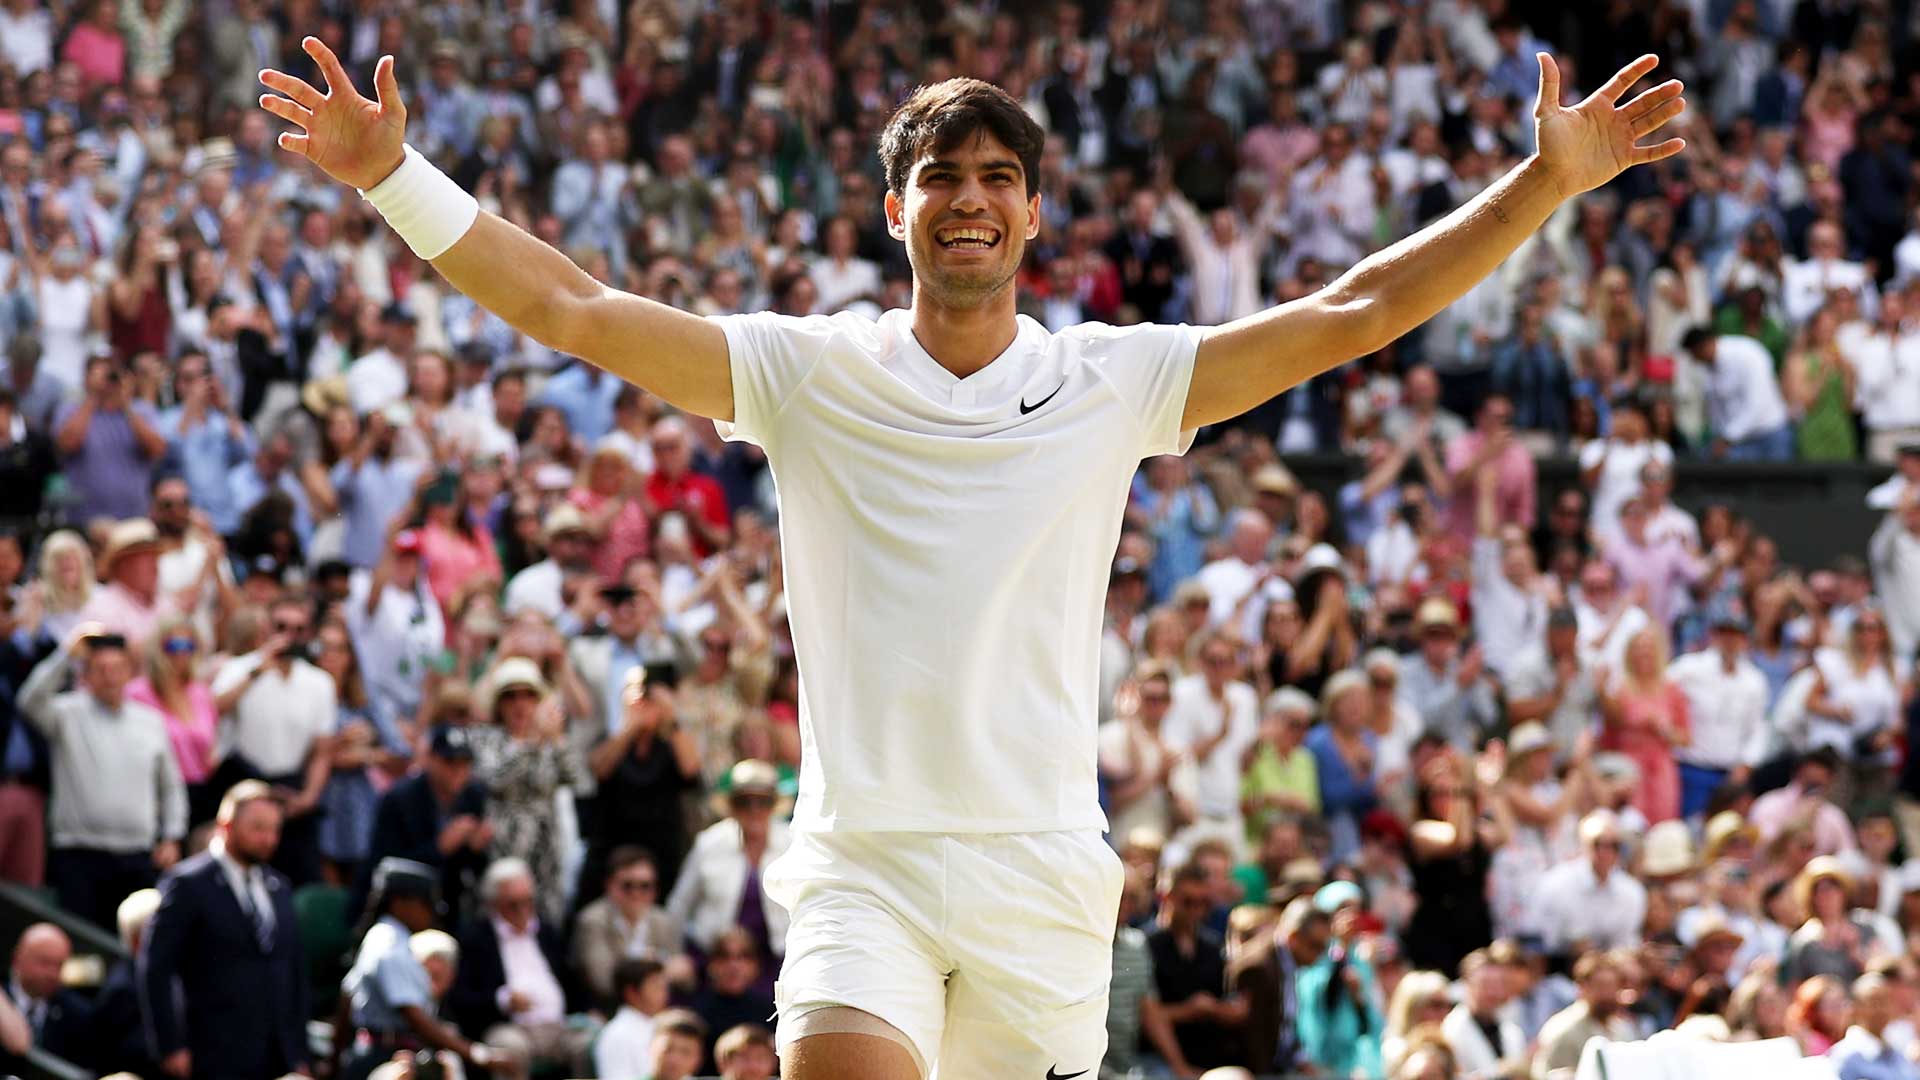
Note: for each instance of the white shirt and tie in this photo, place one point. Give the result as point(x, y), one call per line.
point(249, 886)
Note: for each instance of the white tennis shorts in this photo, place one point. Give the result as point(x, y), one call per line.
point(991, 952)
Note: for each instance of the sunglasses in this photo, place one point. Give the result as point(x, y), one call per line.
point(1155, 699)
point(177, 646)
point(753, 802)
point(289, 628)
point(517, 692)
point(637, 885)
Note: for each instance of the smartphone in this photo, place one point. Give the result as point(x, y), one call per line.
point(661, 673)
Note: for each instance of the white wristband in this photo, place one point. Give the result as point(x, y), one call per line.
point(423, 205)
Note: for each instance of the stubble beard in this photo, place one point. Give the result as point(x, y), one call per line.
point(962, 289)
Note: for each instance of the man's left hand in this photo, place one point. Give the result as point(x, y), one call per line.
point(1583, 146)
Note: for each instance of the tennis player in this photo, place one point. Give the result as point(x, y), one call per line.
point(951, 481)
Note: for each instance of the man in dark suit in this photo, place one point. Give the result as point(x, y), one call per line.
point(58, 1017)
point(1265, 978)
point(1148, 260)
point(226, 936)
point(511, 989)
point(437, 818)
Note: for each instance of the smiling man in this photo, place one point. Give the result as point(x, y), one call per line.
point(951, 480)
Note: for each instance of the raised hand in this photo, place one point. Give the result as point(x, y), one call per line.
point(353, 140)
point(1588, 144)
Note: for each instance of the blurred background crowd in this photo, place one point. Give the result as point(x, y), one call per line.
point(442, 684)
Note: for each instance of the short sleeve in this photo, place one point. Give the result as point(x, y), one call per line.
point(769, 356)
point(402, 980)
point(1150, 367)
point(1593, 453)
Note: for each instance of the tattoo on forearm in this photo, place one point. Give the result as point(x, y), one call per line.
point(1499, 213)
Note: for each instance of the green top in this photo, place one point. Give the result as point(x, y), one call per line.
point(1269, 775)
point(1826, 433)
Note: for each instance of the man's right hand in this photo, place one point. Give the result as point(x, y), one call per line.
point(353, 140)
point(178, 1063)
point(455, 833)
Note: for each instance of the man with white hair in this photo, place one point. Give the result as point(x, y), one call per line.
point(1591, 900)
point(1230, 578)
point(510, 985)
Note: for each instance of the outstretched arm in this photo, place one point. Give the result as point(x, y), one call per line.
point(1245, 362)
point(537, 290)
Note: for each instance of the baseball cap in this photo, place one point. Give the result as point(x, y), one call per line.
point(451, 743)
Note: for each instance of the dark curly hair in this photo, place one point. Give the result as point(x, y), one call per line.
point(938, 117)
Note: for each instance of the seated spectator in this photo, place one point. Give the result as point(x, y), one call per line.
point(626, 924)
point(625, 1045)
point(1601, 1012)
point(1134, 1010)
point(1189, 969)
point(117, 1037)
point(732, 994)
point(679, 1046)
point(745, 1052)
point(513, 975)
point(1864, 1052)
point(1592, 902)
point(436, 818)
point(1485, 1046)
point(1818, 1015)
point(58, 1018)
point(721, 886)
point(119, 808)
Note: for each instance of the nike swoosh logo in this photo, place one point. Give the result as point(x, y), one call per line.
point(1052, 1075)
point(1024, 410)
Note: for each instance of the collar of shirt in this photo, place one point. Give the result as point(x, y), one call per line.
point(246, 882)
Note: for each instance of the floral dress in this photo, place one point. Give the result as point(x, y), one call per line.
point(523, 780)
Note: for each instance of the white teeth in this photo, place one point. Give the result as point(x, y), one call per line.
point(968, 238)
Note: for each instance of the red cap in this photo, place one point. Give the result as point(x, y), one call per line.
point(407, 542)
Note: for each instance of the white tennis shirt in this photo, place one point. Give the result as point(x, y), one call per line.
point(947, 544)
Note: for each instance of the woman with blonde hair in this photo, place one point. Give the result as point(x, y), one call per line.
point(1422, 998)
point(170, 684)
point(607, 493)
point(66, 582)
point(1644, 716)
point(1855, 705)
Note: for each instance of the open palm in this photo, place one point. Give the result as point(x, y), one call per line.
point(1588, 144)
point(352, 139)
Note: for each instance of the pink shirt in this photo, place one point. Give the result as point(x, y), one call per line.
point(192, 736)
point(100, 55)
point(628, 537)
point(1513, 486)
point(452, 561)
point(1774, 811)
point(121, 612)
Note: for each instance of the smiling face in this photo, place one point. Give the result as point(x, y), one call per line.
point(965, 217)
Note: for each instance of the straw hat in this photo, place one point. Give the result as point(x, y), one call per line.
point(1724, 828)
point(126, 538)
point(1667, 850)
point(1819, 868)
point(565, 518)
point(514, 671)
point(322, 396)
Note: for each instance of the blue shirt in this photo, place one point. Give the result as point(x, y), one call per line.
point(204, 455)
point(1180, 532)
point(386, 978)
point(585, 394)
point(1861, 1056)
point(1343, 1040)
point(371, 496)
point(109, 474)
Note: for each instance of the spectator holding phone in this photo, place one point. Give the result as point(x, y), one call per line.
point(108, 445)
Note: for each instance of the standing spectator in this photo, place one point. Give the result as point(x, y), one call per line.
point(1280, 777)
point(642, 767)
point(1819, 383)
point(375, 486)
point(522, 755)
point(70, 316)
point(130, 603)
point(1222, 255)
point(1214, 720)
point(1854, 706)
point(1346, 759)
point(722, 882)
point(396, 625)
point(1659, 568)
point(1149, 782)
point(108, 445)
point(1530, 372)
point(1134, 1009)
point(1644, 716)
point(1443, 684)
point(1807, 802)
point(119, 809)
point(1491, 445)
point(611, 499)
point(1147, 260)
point(842, 275)
point(1509, 598)
point(1744, 405)
point(1895, 552)
point(1338, 1020)
point(1592, 902)
point(283, 711)
point(1552, 684)
point(456, 546)
point(1460, 822)
point(512, 983)
point(543, 586)
point(225, 936)
point(1179, 512)
point(584, 395)
point(205, 442)
point(1726, 711)
point(365, 744)
point(1612, 467)
point(171, 686)
point(626, 923)
point(593, 201)
point(675, 487)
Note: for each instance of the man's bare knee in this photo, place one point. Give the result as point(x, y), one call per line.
point(844, 1043)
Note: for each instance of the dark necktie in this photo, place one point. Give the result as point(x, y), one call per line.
point(262, 920)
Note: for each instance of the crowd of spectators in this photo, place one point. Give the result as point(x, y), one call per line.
point(442, 685)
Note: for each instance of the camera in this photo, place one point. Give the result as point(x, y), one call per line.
point(296, 651)
point(427, 1066)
